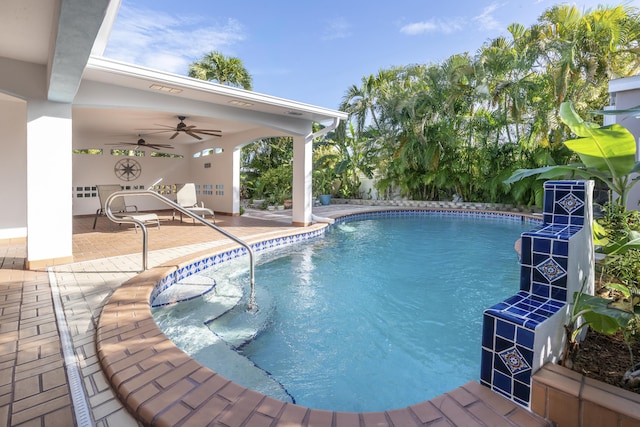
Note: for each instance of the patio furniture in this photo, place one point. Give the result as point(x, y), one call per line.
point(186, 198)
point(120, 209)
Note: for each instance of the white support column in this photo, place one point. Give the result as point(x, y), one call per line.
point(302, 170)
point(235, 176)
point(49, 202)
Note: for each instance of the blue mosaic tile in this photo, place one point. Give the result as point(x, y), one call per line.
point(542, 245)
point(505, 330)
point(540, 289)
point(560, 248)
point(486, 366)
point(535, 317)
point(488, 331)
point(525, 337)
point(502, 382)
point(558, 294)
point(523, 377)
point(522, 392)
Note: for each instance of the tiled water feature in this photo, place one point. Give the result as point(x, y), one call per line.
point(526, 330)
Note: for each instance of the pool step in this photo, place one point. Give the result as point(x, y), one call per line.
point(188, 288)
point(185, 324)
point(239, 326)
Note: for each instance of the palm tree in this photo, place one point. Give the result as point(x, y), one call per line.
point(226, 70)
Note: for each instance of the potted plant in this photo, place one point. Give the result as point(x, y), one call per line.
point(323, 184)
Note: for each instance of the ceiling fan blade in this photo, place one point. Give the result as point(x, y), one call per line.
point(209, 130)
point(207, 133)
point(122, 143)
point(174, 135)
point(162, 126)
point(188, 132)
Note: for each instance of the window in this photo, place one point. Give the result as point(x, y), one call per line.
point(132, 153)
point(92, 151)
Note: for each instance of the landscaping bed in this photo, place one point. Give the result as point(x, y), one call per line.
point(605, 358)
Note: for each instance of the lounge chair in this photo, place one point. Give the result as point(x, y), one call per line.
point(186, 198)
point(120, 209)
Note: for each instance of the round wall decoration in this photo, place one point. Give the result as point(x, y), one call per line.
point(127, 169)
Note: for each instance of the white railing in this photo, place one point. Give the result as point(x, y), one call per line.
point(132, 220)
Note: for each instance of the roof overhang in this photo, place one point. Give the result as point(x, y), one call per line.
point(120, 98)
point(148, 80)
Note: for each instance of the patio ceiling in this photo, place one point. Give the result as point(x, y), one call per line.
point(25, 29)
point(137, 98)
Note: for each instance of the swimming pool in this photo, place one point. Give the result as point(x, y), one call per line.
point(401, 312)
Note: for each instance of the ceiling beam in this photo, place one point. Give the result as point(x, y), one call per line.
point(78, 24)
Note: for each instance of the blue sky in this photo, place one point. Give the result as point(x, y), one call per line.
point(313, 52)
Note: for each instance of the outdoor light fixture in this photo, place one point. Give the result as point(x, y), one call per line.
point(162, 88)
point(240, 103)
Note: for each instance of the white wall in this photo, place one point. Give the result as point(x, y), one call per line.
point(92, 170)
point(13, 167)
point(215, 183)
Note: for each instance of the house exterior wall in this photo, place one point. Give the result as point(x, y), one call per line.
point(625, 93)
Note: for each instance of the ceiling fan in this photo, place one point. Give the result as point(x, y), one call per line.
point(142, 143)
point(189, 130)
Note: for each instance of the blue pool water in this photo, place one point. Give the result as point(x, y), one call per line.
point(379, 314)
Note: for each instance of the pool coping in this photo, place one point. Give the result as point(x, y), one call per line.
point(161, 385)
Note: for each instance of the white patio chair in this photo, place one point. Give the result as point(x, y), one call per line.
point(119, 208)
point(186, 198)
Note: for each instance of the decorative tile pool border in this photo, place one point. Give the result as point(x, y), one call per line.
point(522, 331)
point(403, 213)
point(232, 254)
point(208, 262)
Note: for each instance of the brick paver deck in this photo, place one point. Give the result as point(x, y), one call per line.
point(146, 375)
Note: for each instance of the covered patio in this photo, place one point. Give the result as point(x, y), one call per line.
point(59, 97)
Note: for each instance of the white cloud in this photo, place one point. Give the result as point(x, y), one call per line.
point(486, 19)
point(339, 28)
point(168, 42)
point(446, 26)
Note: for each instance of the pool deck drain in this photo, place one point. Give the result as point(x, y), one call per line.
point(155, 380)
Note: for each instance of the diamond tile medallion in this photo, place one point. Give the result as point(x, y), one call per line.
point(514, 360)
point(570, 203)
point(551, 270)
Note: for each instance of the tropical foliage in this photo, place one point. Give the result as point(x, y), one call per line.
point(226, 70)
point(465, 125)
point(607, 153)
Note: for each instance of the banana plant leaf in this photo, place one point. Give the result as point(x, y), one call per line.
point(551, 172)
point(600, 316)
point(611, 148)
point(630, 241)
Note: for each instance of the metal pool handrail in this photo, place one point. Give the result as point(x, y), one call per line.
point(251, 306)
